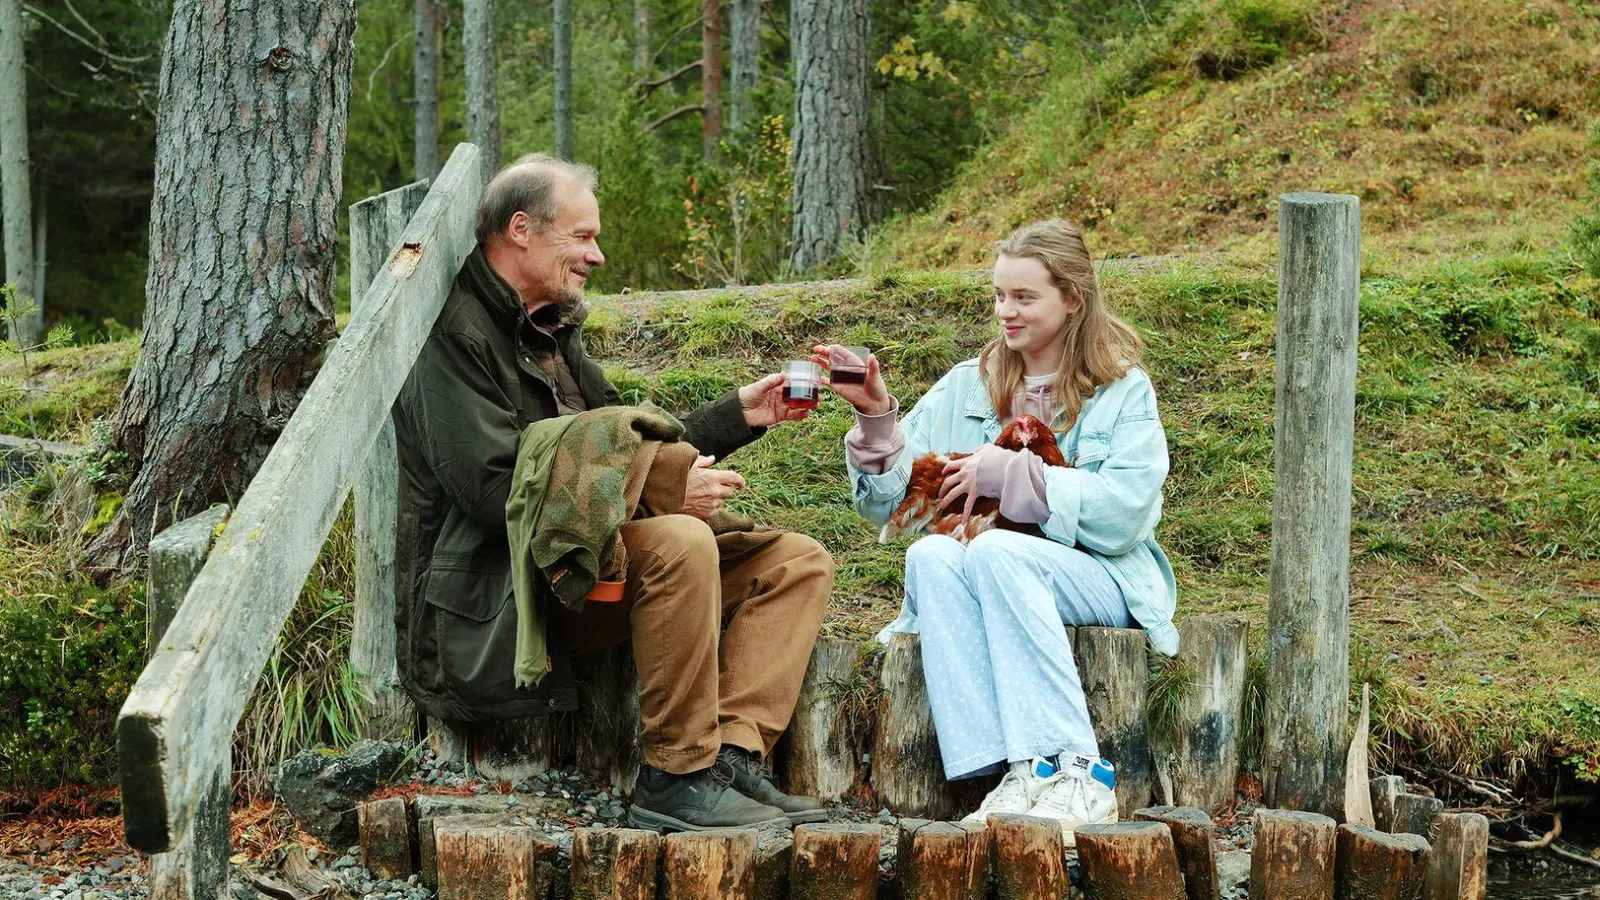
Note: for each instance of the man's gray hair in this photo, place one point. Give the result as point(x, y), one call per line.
point(527, 186)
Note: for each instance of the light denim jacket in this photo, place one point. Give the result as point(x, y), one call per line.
point(1107, 504)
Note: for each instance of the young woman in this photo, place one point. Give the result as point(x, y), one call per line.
point(1000, 673)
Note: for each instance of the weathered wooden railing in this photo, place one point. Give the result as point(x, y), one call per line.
point(175, 730)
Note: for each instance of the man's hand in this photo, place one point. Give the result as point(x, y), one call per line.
point(708, 489)
point(763, 404)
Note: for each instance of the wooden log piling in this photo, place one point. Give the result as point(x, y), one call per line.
point(942, 860)
point(431, 812)
point(708, 865)
point(495, 862)
point(1112, 664)
point(1384, 791)
point(1205, 755)
point(1129, 861)
point(834, 862)
point(1293, 857)
point(1415, 814)
point(1027, 855)
point(605, 729)
point(614, 864)
point(1193, 840)
point(386, 838)
point(1373, 865)
point(774, 850)
point(907, 771)
point(820, 753)
point(1458, 864)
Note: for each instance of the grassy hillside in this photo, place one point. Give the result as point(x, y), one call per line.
point(1460, 124)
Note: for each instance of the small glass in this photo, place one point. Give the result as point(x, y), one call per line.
point(802, 376)
point(848, 365)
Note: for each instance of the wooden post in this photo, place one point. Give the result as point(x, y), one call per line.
point(375, 227)
point(386, 838)
point(513, 749)
point(1205, 758)
point(496, 862)
point(774, 852)
point(1384, 791)
point(1308, 689)
point(1130, 861)
point(1414, 813)
point(708, 865)
point(453, 811)
point(1192, 839)
point(942, 860)
point(1028, 857)
point(834, 862)
point(614, 864)
point(1458, 864)
point(907, 771)
point(1293, 856)
point(197, 866)
point(1377, 866)
point(819, 750)
point(1112, 663)
point(606, 725)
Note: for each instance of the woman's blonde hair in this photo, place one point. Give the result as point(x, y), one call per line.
point(1097, 347)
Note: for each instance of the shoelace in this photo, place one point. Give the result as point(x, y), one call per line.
point(1009, 789)
point(721, 774)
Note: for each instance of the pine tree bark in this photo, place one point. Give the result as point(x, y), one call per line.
point(563, 48)
point(16, 207)
point(746, 39)
point(425, 88)
point(831, 42)
point(250, 136)
point(641, 37)
point(483, 97)
point(41, 259)
point(711, 75)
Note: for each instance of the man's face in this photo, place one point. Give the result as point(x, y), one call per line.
point(558, 260)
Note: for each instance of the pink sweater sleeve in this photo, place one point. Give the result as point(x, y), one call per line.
point(876, 442)
point(1022, 498)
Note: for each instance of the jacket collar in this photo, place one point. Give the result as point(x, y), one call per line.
point(501, 300)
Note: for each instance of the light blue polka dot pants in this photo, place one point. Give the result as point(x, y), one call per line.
point(1001, 676)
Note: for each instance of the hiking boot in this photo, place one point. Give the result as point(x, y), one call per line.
point(698, 801)
point(751, 779)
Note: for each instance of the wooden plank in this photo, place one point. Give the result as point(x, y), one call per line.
point(178, 722)
point(176, 557)
point(1308, 618)
point(497, 862)
point(1112, 664)
point(1373, 865)
point(1129, 861)
point(820, 754)
point(386, 841)
point(708, 865)
point(614, 864)
point(1414, 813)
point(375, 227)
point(835, 862)
point(1458, 864)
point(1384, 791)
point(1357, 779)
point(1028, 857)
point(1193, 839)
point(1205, 758)
point(942, 860)
point(907, 771)
point(1293, 856)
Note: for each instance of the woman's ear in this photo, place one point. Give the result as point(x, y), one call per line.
point(1073, 298)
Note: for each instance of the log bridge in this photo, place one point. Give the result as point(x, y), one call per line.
point(222, 584)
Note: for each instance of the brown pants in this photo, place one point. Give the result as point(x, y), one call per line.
point(721, 639)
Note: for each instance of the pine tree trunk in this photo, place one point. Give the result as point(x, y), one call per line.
point(425, 87)
point(641, 37)
point(831, 43)
point(746, 22)
point(41, 259)
point(250, 137)
point(14, 183)
point(483, 97)
point(563, 22)
point(711, 75)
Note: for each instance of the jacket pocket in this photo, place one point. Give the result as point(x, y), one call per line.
point(1092, 450)
point(474, 629)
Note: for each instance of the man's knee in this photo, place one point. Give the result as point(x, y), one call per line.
point(675, 542)
point(808, 555)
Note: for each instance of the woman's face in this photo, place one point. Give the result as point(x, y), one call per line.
point(1031, 309)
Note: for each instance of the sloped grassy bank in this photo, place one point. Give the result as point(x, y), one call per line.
point(1476, 527)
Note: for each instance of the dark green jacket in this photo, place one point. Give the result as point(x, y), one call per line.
point(475, 385)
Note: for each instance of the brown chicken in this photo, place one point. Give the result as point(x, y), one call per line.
point(920, 511)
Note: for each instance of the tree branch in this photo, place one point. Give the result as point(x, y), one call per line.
point(383, 62)
point(649, 84)
point(680, 111)
point(685, 29)
point(98, 48)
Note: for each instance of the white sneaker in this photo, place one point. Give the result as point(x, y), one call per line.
point(1017, 791)
point(1079, 796)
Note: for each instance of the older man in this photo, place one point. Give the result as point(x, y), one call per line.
point(721, 636)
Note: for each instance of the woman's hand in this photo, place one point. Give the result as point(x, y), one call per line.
point(870, 398)
point(982, 474)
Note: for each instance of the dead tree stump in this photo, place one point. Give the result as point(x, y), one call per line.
point(1384, 791)
point(1458, 864)
point(709, 865)
point(1192, 834)
point(1113, 666)
point(942, 860)
point(606, 724)
point(513, 749)
point(1028, 857)
point(386, 838)
point(1414, 813)
point(1205, 755)
point(614, 864)
point(907, 771)
point(1293, 856)
point(821, 757)
point(496, 862)
point(1129, 861)
point(1373, 865)
point(834, 862)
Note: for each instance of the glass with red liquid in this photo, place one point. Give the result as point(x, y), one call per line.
point(848, 365)
point(802, 377)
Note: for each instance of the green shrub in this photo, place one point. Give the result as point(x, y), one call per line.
point(1250, 35)
point(1586, 226)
